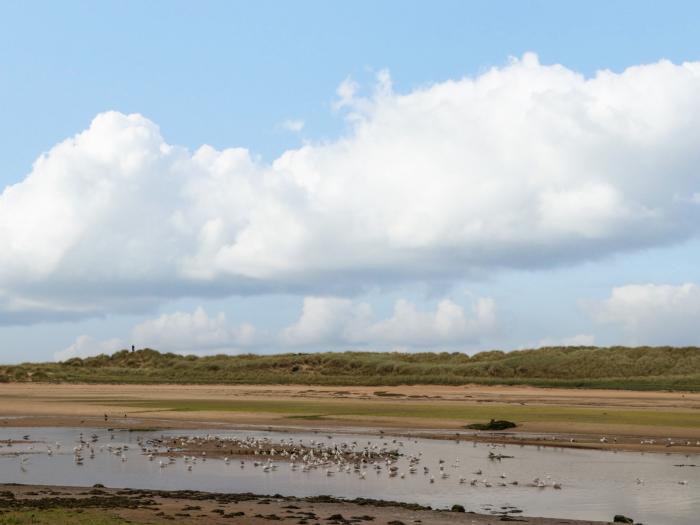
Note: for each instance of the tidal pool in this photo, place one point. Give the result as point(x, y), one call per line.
point(595, 485)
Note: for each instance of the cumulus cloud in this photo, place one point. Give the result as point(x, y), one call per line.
point(327, 320)
point(193, 332)
point(342, 321)
point(324, 321)
point(523, 166)
point(86, 346)
point(652, 313)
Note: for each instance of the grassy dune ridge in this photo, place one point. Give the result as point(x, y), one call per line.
point(641, 368)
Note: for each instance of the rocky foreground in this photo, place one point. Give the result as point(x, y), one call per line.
point(202, 508)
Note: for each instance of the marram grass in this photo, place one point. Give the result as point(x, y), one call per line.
point(642, 368)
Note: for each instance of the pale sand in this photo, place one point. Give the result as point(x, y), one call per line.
point(85, 405)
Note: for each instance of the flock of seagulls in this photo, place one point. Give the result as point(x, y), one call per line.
point(329, 456)
point(668, 442)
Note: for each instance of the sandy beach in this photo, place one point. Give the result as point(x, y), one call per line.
point(606, 419)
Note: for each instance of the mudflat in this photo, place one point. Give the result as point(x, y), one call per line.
point(626, 420)
point(53, 505)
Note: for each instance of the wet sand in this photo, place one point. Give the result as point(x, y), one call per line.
point(141, 407)
point(201, 508)
point(26, 405)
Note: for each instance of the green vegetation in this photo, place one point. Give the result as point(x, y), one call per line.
point(501, 424)
point(643, 368)
point(318, 409)
point(61, 517)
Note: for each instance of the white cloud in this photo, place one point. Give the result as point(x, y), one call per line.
point(523, 166)
point(327, 320)
point(342, 321)
point(86, 346)
point(193, 332)
point(179, 332)
point(449, 323)
point(347, 91)
point(652, 313)
point(294, 125)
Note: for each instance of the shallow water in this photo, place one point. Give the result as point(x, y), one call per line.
point(595, 485)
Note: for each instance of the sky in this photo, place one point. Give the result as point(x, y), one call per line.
point(207, 177)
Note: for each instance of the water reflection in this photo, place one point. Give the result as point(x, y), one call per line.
point(594, 485)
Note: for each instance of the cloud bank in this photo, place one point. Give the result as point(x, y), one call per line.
point(333, 320)
point(326, 323)
point(524, 166)
point(183, 331)
point(652, 314)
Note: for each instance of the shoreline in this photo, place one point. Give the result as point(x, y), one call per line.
point(654, 422)
point(207, 508)
point(620, 443)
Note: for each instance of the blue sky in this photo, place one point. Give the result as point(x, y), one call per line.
point(248, 75)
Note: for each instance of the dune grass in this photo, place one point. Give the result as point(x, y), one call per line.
point(643, 368)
